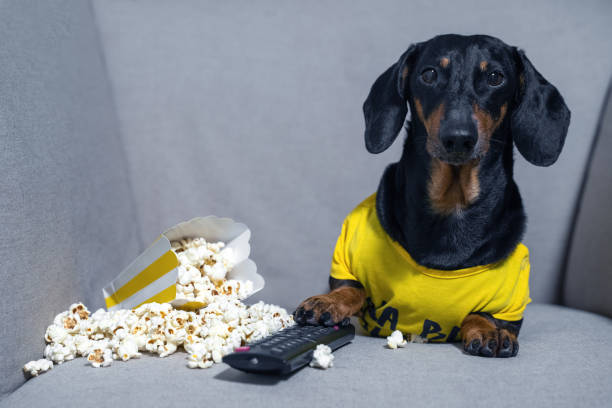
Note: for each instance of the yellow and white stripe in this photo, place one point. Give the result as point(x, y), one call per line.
point(150, 278)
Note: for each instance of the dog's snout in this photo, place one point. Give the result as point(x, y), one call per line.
point(458, 133)
point(459, 141)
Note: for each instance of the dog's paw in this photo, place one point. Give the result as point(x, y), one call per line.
point(322, 309)
point(481, 337)
point(508, 344)
point(481, 343)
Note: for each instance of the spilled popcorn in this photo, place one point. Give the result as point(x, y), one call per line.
point(396, 339)
point(322, 357)
point(206, 335)
point(36, 367)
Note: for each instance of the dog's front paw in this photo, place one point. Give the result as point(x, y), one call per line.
point(481, 337)
point(508, 344)
point(322, 309)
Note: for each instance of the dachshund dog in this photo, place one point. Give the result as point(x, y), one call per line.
point(443, 230)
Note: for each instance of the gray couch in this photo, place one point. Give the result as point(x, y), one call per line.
point(121, 118)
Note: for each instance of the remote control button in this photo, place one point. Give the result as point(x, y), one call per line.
point(310, 337)
point(242, 349)
point(277, 350)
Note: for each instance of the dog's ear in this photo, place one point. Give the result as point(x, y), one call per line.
point(385, 107)
point(540, 120)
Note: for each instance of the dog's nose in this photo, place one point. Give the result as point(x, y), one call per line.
point(458, 141)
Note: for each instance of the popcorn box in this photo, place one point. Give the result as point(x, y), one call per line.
point(152, 276)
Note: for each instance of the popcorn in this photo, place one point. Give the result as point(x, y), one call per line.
point(216, 356)
point(206, 335)
point(128, 349)
point(167, 349)
point(33, 368)
point(79, 310)
point(59, 353)
point(83, 345)
point(100, 357)
point(198, 354)
point(395, 340)
point(55, 334)
point(322, 357)
point(202, 271)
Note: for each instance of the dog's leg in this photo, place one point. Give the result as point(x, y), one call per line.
point(336, 307)
point(483, 335)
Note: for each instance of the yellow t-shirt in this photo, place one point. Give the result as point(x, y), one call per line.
point(403, 295)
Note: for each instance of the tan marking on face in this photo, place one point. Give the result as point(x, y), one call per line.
point(486, 124)
point(483, 65)
point(444, 62)
point(522, 82)
point(453, 188)
point(431, 123)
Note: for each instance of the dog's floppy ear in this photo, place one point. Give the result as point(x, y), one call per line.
point(539, 123)
point(385, 107)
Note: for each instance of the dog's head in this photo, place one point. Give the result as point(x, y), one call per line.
point(462, 90)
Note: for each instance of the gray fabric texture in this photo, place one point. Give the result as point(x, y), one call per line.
point(588, 282)
point(252, 110)
point(561, 363)
point(66, 212)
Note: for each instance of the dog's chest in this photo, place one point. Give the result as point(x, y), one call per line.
point(432, 304)
point(404, 295)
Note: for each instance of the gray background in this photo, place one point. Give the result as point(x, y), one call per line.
point(121, 118)
point(66, 210)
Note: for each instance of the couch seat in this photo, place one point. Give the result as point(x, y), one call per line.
point(565, 360)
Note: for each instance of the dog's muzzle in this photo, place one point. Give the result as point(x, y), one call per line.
point(458, 136)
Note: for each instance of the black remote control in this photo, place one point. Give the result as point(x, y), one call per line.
point(288, 349)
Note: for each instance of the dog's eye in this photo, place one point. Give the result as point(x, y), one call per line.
point(495, 78)
point(429, 75)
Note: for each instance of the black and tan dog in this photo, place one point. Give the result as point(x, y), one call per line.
point(450, 204)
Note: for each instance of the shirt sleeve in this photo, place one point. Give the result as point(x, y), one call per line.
point(340, 267)
point(518, 294)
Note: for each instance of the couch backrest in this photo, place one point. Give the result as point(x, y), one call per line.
point(588, 283)
point(253, 111)
point(66, 211)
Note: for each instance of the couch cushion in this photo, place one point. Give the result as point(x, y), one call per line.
point(253, 110)
point(564, 361)
point(588, 282)
point(66, 211)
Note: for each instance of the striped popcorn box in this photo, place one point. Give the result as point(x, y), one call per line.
point(152, 276)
